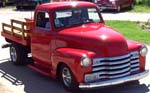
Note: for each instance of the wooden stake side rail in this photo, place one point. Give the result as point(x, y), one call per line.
point(17, 28)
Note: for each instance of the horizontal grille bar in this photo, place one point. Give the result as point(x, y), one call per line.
point(135, 69)
point(134, 57)
point(112, 67)
point(103, 62)
point(115, 67)
point(135, 61)
point(114, 76)
point(134, 65)
point(113, 72)
point(96, 60)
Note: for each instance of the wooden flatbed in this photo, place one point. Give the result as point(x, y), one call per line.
point(18, 31)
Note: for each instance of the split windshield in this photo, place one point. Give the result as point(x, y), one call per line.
point(75, 16)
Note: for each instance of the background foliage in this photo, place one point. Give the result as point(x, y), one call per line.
point(143, 2)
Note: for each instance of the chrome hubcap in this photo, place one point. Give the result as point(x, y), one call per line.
point(66, 75)
point(13, 54)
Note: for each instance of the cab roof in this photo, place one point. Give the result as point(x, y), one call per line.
point(61, 5)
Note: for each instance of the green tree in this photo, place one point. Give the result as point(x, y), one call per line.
point(143, 2)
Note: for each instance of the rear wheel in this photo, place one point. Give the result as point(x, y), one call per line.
point(67, 78)
point(18, 54)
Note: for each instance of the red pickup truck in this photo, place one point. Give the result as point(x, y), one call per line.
point(70, 41)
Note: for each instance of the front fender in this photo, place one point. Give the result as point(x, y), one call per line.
point(136, 46)
point(133, 45)
point(71, 57)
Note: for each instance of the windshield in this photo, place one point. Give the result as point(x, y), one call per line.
point(75, 16)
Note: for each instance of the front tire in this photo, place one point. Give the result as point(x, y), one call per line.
point(67, 78)
point(18, 54)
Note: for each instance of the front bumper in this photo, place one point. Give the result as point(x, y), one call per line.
point(114, 81)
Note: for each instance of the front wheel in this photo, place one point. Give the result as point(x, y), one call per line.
point(67, 78)
point(18, 54)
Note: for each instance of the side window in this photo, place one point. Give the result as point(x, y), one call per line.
point(43, 20)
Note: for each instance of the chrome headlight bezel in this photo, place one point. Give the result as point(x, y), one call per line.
point(85, 61)
point(143, 51)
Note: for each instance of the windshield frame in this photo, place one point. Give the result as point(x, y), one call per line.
point(96, 9)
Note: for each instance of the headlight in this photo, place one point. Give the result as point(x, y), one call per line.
point(85, 61)
point(143, 51)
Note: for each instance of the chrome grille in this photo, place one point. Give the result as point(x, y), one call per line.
point(115, 67)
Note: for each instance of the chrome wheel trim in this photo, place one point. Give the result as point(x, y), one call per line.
point(66, 76)
point(13, 54)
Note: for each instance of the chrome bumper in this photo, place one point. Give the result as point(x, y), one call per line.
point(114, 81)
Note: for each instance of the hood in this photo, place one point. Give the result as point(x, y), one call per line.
point(96, 37)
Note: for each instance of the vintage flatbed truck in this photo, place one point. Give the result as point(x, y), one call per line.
point(70, 41)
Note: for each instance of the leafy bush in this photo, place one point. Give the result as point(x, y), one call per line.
point(143, 2)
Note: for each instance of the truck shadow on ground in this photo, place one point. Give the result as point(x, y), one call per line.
point(35, 82)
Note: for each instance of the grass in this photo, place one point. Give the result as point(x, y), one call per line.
point(142, 6)
point(141, 9)
point(130, 30)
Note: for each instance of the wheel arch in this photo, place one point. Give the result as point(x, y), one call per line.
point(71, 58)
point(58, 68)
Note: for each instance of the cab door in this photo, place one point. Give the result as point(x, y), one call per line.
point(41, 39)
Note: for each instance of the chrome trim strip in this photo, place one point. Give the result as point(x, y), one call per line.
point(113, 72)
point(120, 75)
point(134, 61)
point(135, 69)
point(134, 57)
point(135, 65)
point(114, 76)
point(111, 63)
point(114, 81)
point(111, 67)
point(113, 58)
point(135, 52)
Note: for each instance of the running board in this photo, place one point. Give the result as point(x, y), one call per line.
point(32, 66)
